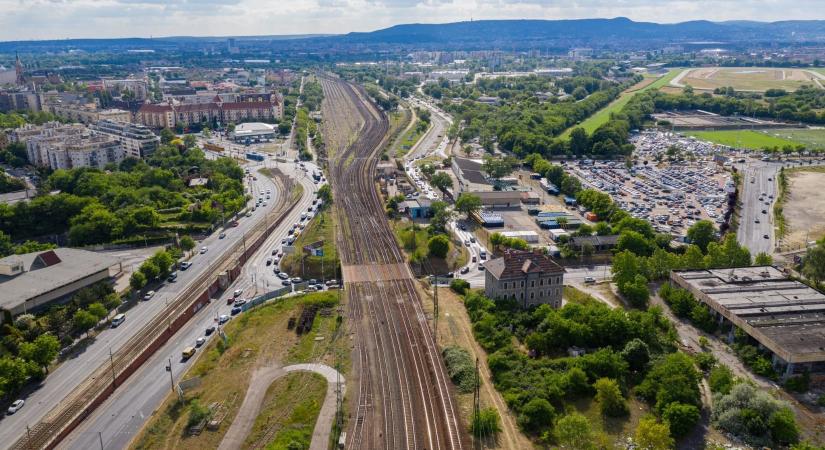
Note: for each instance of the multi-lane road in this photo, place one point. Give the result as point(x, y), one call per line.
point(756, 222)
point(74, 370)
point(118, 420)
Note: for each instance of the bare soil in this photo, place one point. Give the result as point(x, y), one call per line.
point(804, 208)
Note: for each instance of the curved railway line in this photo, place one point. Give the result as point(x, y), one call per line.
point(80, 403)
point(402, 398)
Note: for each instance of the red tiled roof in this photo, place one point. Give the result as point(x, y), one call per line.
point(517, 263)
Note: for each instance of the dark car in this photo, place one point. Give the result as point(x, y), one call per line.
point(766, 236)
point(230, 300)
point(209, 331)
point(236, 310)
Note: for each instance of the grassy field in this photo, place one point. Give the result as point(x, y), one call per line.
point(809, 137)
point(321, 228)
point(603, 115)
point(742, 138)
point(456, 256)
point(289, 412)
point(757, 79)
point(255, 338)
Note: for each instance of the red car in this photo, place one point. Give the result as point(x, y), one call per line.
point(230, 300)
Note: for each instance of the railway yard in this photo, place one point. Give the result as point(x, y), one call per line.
point(399, 394)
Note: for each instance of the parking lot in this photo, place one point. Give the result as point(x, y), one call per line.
point(670, 188)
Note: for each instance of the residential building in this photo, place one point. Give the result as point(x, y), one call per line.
point(222, 109)
point(89, 113)
point(139, 88)
point(137, 141)
point(529, 277)
point(35, 281)
point(782, 317)
point(20, 101)
point(69, 146)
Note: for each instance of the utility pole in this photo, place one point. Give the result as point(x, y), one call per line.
point(112, 362)
point(100, 437)
point(171, 378)
point(477, 409)
point(435, 302)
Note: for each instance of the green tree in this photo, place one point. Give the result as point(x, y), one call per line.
point(814, 263)
point(83, 320)
point(41, 351)
point(536, 414)
point(635, 242)
point(555, 174)
point(187, 243)
point(149, 269)
point(784, 430)
point(680, 418)
point(190, 141)
point(701, 234)
point(438, 246)
point(652, 435)
point(468, 204)
point(610, 399)
point(636, 292)
point(579, 141)
point(13, 373)
point(166, 136)
point(325, 194)
point(98, 310)
point(573, 431)
point(137, 280)
point(497, 168)
point(164, 261)
point(763, 259)
point(441, 181)
point(721, 379)
point(637, 355)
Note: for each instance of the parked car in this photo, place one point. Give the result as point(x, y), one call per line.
point(204, 250)
point(286, 282)
point(296, 280)
point(16, 406)
point(236, 310)
point(200, 341)
point(283, 276)
point(188, 352)
point(223, 319)
point(222, 235)
point(185, 265)
point(209, 331)
point(237, 293)
point(589, 280)
point(149, 295)
point(240, 302)
point(119, 319)
point(465, 269)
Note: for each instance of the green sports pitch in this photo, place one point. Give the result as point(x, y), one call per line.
point(809, 137)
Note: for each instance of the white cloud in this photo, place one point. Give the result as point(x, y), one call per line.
point(59, 19)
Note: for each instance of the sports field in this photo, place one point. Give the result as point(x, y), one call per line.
point(809, 137)
point(742, 138)
point(756, 79)
point(603, 115)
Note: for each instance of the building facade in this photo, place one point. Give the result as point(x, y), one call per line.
point(89, 114)
point(223, 109)
point(59, 146)
point(137, 141)
point(530, 278)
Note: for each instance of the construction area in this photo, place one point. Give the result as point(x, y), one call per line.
point(782, 315)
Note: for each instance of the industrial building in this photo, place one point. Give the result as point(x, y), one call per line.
point(471, 177)
point(35, 281)
point(781, 315)
point(531, 278)
point(254, 132)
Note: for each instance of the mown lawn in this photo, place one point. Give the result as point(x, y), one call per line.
point(742, 138)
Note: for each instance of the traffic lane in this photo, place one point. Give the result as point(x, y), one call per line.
point(123, 415)
point(70, 373)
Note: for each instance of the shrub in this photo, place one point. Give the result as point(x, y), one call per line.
point(755, 416)
point(681, 418)
point(721, 379)
point(536, 414)
point(459, 286)
point(486, 423)
point(460, 368)
point(799, 383)
point(197, 413)
point(609, 397)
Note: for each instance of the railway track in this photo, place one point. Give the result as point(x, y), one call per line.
point(83, 400)
point(403, 397)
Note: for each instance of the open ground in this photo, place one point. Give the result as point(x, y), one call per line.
point(756, 79)
point(804, 207)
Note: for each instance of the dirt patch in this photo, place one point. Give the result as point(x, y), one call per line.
point(804, 208)
point(454, 328)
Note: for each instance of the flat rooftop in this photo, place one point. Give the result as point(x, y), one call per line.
point(784, 315)
point(47, 271)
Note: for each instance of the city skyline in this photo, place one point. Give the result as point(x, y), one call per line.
point(154, 18)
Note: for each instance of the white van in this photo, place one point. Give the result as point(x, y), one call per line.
point(119, 319)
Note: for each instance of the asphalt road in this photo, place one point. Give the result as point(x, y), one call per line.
point(435, 140)
point(74, 370)
point(122, 416)
point(759, 191)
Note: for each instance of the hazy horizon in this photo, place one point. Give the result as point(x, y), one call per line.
point(77, 19)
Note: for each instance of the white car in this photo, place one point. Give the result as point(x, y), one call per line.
point(16, 406)
point(204, 250)
point(200, 341)
point(223, 319)
point(149, 295)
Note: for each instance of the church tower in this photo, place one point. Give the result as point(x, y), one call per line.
point(18, 68)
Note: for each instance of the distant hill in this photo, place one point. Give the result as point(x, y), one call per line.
point(618, 32)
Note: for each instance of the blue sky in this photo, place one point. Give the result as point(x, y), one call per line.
point(60, 19)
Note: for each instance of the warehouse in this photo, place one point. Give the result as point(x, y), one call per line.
point(34, 281)
point(253, 132)
point(781, 315)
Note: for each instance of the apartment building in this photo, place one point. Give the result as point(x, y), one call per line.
point(69, 146)
point(223, 109)
point(89, 114)
point(137, 140)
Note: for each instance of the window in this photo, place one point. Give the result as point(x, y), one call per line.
point(532, 295)
point(522, 284)
point(541, 282)
point(521, 296)
point(533, 283)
